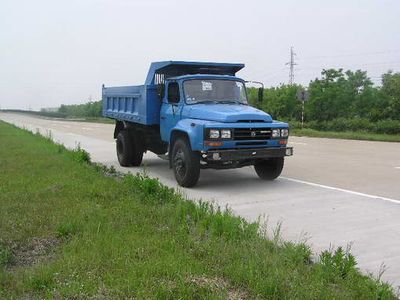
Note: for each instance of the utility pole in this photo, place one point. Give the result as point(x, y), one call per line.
point(291, 63)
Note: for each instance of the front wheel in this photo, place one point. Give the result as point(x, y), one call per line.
point(269, 169)
point(186, 163)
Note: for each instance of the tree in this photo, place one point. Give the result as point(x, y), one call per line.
point(390, 92)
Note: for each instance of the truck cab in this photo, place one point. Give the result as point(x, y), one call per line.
point(197, 116)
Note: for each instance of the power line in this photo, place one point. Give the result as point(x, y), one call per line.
point(351, 54)
point(291, 64)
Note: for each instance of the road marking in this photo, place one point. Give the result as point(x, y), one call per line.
point(297, 143)
point(343, 190)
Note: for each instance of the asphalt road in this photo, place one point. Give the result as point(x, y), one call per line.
point(332, 192)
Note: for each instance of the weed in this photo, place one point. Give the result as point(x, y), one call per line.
point(296, 254)
point(80, 155)
point(41, 281)
point(5, 255)
point(65, 230)
point(339, 262)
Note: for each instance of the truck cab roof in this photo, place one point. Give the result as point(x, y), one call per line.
point(205, 76)
point(160, 71)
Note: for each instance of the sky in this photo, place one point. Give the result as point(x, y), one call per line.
point(55, 52)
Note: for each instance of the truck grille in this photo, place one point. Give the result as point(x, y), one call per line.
point(240, 134)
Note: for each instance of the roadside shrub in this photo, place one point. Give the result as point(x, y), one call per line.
point(293, 124)
point(338, 263)
point(151, 190)
point(315, 125)
point(339, 124)
point(388, 127)
point(356, 124)
point(359, 124)
point(212, 220)
point(80, 155)
point(296, 254)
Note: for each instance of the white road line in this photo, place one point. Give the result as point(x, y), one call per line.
point(343, 190)
point(297, 143)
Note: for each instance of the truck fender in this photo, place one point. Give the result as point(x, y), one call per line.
point(119, 125)
point(191, 131)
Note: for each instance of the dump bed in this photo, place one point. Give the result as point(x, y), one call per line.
point(141, 104)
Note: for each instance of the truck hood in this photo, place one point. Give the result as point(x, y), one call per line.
point(226, 113)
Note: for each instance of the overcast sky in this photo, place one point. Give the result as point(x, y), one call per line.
point(54, 51)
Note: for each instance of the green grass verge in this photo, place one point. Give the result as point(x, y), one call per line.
point(348, 135)
point(70, 230)
point(60, 116)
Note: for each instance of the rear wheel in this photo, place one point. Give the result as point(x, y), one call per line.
point(269, 169)
point(129, 150)
point(186, 163)
point(137, 155)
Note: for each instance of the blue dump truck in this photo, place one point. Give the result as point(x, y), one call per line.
point(196, 115)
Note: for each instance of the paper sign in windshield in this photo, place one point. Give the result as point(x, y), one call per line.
point(206, 86)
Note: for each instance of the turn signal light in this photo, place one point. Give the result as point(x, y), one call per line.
point(282, 142)
point(213, 144)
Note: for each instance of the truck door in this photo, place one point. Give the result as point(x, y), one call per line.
point(170, 112)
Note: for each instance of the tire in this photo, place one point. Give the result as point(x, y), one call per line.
point(129, 152)
point(269, 169)
point(137, 155)
point(186, 163)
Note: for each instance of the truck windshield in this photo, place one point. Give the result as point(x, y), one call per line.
point(214, 91)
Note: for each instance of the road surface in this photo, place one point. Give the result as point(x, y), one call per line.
point(331, 193)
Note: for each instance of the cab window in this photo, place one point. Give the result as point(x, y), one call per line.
point(173, 92)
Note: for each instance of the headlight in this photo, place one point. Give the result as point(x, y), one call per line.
point(214, 134)
point(276, 133)
point(284, 132)
point(225, 133)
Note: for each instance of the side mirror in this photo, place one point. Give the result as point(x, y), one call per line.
point(260, 94)
point(260, 90)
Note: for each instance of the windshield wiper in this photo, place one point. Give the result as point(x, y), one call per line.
point(232, 101)
point(220, 102)
point(207, 101)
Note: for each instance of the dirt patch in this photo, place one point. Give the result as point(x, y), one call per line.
point(36, 251)
point(55, 188)
point(220, 284)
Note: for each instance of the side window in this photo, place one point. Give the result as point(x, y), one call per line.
point(173, 92)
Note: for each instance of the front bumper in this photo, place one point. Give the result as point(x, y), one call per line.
point(243, 154)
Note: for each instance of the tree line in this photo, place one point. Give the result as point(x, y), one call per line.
point(338, 101)
point(91, 109)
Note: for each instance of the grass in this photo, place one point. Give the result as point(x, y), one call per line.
point(348, 135)
point(72, 229)
point(61, 116)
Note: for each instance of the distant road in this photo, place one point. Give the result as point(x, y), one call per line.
point(335, 192)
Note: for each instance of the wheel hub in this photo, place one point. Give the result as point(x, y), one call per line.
point(179, 162)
